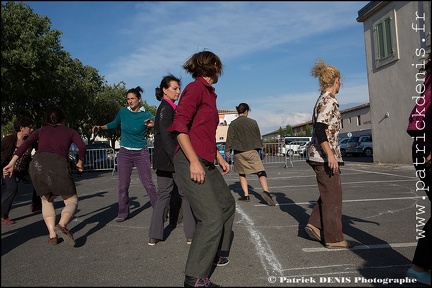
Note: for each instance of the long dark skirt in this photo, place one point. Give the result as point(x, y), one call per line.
point(51, 175)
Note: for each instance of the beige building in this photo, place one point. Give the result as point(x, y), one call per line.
point(225, 118)
point(397, 38)
point(355, 120)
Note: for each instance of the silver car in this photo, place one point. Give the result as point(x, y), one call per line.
point(360, 145)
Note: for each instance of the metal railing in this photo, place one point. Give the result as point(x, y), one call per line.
point(106, 158)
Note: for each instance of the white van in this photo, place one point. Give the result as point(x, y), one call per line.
point(292, 144)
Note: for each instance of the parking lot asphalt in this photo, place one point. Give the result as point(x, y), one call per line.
point(382, 212)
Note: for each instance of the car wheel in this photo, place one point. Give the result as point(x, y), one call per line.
point(343, 152)
point(290, 152)
point(368, 152)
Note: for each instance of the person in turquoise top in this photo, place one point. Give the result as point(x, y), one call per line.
point(133, 121)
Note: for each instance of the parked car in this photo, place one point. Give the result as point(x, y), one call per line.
point(342, 145)
point(360, 145)
point(221, 147)
point(302, 149)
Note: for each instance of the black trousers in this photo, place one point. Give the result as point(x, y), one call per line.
point(8, 194)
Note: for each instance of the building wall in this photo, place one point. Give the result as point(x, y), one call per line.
point(225, 118)
point(392, 86)
point(356, 121)
point(359, 124)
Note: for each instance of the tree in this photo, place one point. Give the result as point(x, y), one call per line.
point(30, 55)
point(37, 73)
point(289, 130)
point(107, 103)
point(281, 132)
point(308, 129)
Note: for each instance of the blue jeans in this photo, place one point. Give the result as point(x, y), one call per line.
point(126, 160)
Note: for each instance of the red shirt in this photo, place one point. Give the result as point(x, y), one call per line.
point(197, 116)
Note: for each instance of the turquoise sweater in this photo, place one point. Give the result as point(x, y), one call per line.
point(133, 127)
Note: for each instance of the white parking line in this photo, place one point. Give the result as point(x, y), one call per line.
point(381, 173)
point(263, 249)
point(363, 247)
point(348, 201)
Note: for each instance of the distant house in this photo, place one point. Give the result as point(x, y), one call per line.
point(225, 118)
point(397, 37)
point(355, 120)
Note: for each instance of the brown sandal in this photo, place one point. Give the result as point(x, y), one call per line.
point(64, 233)
point(313, 232)
point(53, 241)
point(344, 244)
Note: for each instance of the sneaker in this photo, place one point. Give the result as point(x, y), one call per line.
point(120, 219)
point(220, 261)
point(153, 241)
point(7, 221)
point(198, 282)
point(64, 233)
point(189, 241)
point(268, 198)
point(244, 198)
point(421, 277)
point(36, 207)
point(53, 241)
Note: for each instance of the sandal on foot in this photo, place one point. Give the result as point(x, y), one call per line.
point(339, 245)
point(313, 232)
point(53, 241)
point(64, 233)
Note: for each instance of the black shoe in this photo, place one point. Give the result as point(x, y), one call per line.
point(198, 282)
point(268, 198)
point(36, 207)
point(244, 198)
point(153, 241)
point(220, 261)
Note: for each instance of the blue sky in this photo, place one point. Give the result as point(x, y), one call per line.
point(267, 48)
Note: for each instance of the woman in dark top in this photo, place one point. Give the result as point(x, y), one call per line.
point(163, 153)
point(50, 172)
point(23, 128)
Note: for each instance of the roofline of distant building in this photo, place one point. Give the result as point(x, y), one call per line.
point(370, 9)
point(221, 111)
point(342, 112)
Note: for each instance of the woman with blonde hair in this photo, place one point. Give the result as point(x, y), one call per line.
point(324, 156)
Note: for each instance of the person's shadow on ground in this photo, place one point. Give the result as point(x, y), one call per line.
point(376, 256)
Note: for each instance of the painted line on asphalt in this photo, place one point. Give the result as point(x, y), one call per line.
point(348, 201)
point(363, 247)
point(263, 250)
point(380, 173)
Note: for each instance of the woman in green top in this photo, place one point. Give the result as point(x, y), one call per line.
point(133, 122)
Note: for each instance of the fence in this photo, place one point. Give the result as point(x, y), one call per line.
point(106, 158)
point(296, 152)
